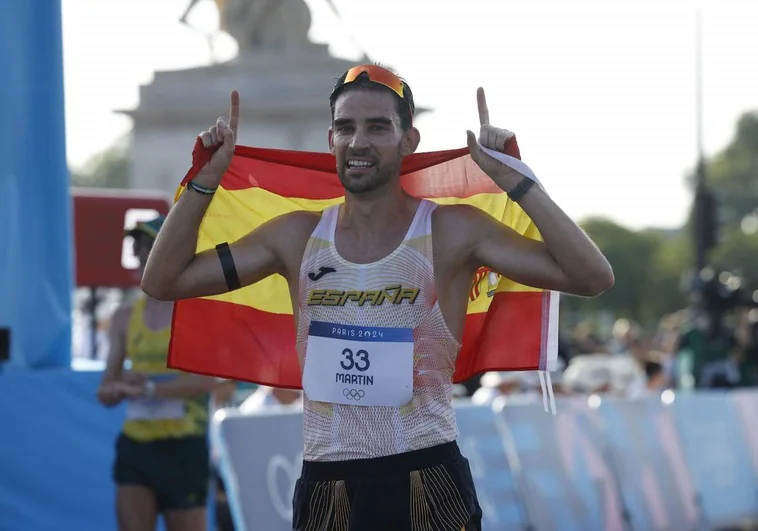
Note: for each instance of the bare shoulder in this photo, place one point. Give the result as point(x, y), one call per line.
point(449, 216)
point(300, 222)
point(123, 311)
point(121, 316)
point(285, 230)
point(457, 228)
point(294, 228)
point(289, 235)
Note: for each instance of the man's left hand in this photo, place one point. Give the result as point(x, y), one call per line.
point(496, 139)
point(127, 390)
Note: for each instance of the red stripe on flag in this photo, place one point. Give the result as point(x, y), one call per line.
point(325, 162)
point(242, 343)
point(234, 341)
point(431, 175)
point(506, 338)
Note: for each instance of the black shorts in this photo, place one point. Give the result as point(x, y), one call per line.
point(177, 469)
point(424, 489)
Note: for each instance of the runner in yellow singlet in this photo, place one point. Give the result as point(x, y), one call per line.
point(162, 460)
point(379, 287)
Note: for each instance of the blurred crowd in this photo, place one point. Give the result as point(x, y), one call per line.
point(626, 360)
point(682, 352)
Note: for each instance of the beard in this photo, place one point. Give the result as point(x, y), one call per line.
point(369, 180)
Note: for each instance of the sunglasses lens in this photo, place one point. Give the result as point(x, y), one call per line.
point(377, 75)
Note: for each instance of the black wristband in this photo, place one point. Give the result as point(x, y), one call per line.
point(227, 264)
point(521, 189)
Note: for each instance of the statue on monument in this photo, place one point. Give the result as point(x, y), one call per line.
point(264, 25)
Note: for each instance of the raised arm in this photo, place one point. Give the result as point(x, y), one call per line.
point(107, 394)
point(174, 271)
point(566, 260)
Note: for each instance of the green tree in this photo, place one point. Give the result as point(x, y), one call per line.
point(669, 269)
point(648, 266)
point(651, 265)
point(109, 169)
point(733, 173)
point(738, 253)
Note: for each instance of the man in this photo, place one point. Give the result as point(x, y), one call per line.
point(162, 460)
point(393, 464)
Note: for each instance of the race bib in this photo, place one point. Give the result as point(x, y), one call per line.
point(359, 365)
point(154, 409)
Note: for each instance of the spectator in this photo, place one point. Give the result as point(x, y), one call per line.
point(162, 457)
point(656, 376)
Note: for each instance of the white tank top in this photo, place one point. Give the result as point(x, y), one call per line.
point(334, 431)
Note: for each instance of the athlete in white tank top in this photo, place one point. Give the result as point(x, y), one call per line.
point(397, 293)
point(377, 356)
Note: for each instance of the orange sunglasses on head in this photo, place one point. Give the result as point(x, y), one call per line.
point(377, 74)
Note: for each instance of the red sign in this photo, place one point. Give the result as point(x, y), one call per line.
point(100, 216)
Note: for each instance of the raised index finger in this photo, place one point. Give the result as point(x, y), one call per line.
point(234, 112)
point(484, 113)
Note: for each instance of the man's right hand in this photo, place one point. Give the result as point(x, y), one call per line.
point(134, 378)
point(222, 137)
point(175, 270)
point(109, 394)
point(113, 393)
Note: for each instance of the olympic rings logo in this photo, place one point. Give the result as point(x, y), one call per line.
point(353, 394)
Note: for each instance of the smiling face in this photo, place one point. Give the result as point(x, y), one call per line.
point(368, 141)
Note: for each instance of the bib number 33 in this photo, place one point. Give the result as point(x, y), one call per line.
point(360, 366)
point(358, 360)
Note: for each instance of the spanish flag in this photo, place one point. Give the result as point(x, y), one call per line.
point(249, 334)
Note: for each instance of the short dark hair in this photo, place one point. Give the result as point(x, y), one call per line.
point(653, 368)
point(405, 105)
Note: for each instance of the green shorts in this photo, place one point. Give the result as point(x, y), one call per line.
point(176, 469)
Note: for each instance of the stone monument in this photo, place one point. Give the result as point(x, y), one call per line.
point(283, 78)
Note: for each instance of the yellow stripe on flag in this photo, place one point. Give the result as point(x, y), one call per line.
point(233, 214)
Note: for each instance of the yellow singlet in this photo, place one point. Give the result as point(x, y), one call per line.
point(147, 350)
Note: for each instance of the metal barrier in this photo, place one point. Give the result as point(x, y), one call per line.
point(687, 462)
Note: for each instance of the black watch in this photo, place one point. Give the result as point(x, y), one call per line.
point(521, 189)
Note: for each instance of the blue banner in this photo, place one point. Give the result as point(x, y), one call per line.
point(36, 272)
point(497, 489)
point(56, 452)
point(718, 457)
point(643, 447)
point(568, 483)
point(261, 458)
